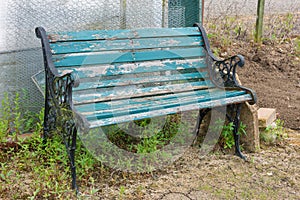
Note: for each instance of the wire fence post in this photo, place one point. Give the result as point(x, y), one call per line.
point(259, 21)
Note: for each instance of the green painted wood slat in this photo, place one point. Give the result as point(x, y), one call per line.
point(155, 102)
point(128, 44)
point(119, 57)
point(121, 34)
point(125, 81)
point(82, 97)
point(167, 111)
point(134, 68)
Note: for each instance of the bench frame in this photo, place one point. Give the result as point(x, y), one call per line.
point(58, 97)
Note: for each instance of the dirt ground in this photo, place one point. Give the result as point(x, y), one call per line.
point(273, 71)
point(273, 173)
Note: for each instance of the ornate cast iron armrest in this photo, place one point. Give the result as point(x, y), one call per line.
point(58, 86)
point(58, 91)
point(58, 102)
point(49, 67)
point(61, 90)
point(61, 97)
point(75, 81)
point(223, 72)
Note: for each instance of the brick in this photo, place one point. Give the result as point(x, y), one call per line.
point(266, 116)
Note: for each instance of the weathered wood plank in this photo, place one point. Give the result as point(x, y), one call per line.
point(165, 32)
point(121, 34)
point(170, 54)
point(123, 57)
point(132, 105)
point(90, 46)
point(118, 45)
point(125, 81)
point(134, 68)
point(92, 59)
point(167, 42)
point(117, 93)
point(94, 122)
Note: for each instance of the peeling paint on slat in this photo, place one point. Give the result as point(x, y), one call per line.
point(136, 44)
point(122, 34)
point(91, 97)
point(132, 68)
point(155, 113)
point(154, 101)
point(124, 81)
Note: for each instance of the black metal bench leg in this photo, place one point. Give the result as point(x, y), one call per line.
point(236, 123)
point(72, 160)
point(46, 126)
point(201, 115)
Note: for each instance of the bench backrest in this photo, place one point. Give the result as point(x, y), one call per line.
point(114, 64)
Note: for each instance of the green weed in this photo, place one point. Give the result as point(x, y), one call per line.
point(297, 46)
point(279, 28)
point(15, 121)
point(227, 138)
point(227, 135)
point(224, 30)
point(273, 134)
point(145, 138)
point(39, 166)
point(122, 192)
point(6, 117)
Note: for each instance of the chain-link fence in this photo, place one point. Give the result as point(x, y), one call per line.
point(20, 50)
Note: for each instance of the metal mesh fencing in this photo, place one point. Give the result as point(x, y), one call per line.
point(176, 13)
point(20, 50)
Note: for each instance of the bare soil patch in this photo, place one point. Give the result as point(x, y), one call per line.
point(273, 71)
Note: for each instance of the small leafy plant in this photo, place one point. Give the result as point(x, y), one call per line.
point(227, 134)
point(227, 139)
point(273, 134)
point(14, 120)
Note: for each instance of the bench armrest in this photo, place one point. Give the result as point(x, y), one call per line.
point(74, 77)
point(61, 87)
point(223, 71)
point(49, 67)
point(226, 70)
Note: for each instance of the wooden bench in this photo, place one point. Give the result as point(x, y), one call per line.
point(145, 73)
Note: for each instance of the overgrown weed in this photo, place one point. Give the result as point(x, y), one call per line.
point(279, 28)
point(226, 139)
point(274, 134)
point(32, 167)
point(14, 120)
